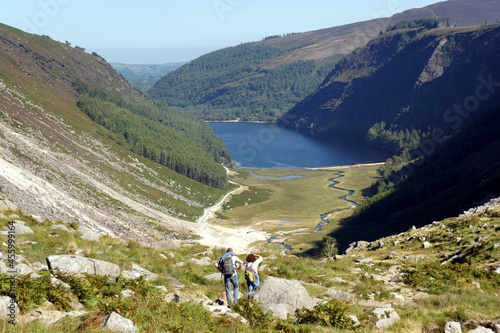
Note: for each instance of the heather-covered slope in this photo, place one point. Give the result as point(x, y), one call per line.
point(59, 164)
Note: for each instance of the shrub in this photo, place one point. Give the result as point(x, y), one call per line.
point(254, 312)
point(331, 313)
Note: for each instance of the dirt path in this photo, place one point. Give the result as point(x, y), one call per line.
point(240, 239)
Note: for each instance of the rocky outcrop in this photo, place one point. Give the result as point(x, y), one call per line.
point(77, 265)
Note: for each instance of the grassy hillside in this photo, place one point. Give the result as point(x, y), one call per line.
point(60, 163)
point(413, 273)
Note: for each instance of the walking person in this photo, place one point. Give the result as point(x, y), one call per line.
point(227, 266)
point(251, 274)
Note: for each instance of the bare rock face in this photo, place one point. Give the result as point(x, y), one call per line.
point(275, 291)
point(77, 265)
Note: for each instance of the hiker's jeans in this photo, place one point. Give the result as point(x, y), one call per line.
point(233, 279)
point(253, 285)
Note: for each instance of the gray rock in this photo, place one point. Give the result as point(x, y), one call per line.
point(47, 317)
point(88, 234)
point(482, 329)
point(214, 277)
point(363, 261)
point(355, 320)
point(166, 244)
point(494, 247)
point(452, 327)
point(278, 310)
point(80, 266)
point(138, 271)
point(6, 205)
point(340, 295)
point(426, 245)
point(162, 288)
point(127, 293)
point(17, 229)
point(57, 282)
point(116, 323)
point(397, 296)
point(281, 291)
point(175, 283)
point(38, 266)
point(174, 298)
point(386, 317)
point(23, 269)
point(337, 280)
point(392, 255)
point(8, 307)
point(201, 262)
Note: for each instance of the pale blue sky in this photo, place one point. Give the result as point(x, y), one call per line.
point(160, 31)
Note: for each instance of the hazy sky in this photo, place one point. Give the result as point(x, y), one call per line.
point(160, 31)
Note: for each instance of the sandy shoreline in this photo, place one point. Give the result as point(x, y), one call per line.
point(346, 166)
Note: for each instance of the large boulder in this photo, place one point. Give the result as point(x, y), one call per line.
point(80, 266)
point(276, 291)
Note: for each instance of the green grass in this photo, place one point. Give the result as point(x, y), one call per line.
point(269, 204)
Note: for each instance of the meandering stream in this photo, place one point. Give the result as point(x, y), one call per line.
point(324, 217)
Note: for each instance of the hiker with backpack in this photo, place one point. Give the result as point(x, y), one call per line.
point(251, 275)
point(227, 266)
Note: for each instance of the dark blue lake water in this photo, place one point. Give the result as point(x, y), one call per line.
point(256, 145)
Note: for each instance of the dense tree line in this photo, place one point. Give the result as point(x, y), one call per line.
point(427, 23)
point(163, 135)
point(232, 84)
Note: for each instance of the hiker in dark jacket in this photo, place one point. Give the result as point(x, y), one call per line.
point(227, 266)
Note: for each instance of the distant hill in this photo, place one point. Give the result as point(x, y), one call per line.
point(79, 143)
point(263, 80)
point(143, 77)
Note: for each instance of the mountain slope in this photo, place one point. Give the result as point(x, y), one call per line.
point(262, 80)
point(59, 164)
point(431, 96)
point(404, 85)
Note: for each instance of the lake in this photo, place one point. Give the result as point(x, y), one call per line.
point(256, 145)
